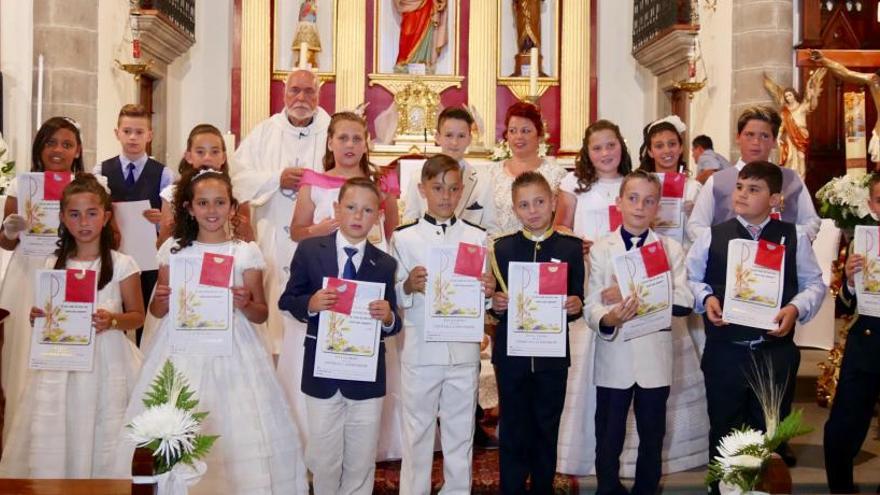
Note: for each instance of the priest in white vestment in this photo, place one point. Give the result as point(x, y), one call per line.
point(266, 172)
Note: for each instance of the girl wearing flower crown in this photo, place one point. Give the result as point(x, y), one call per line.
point(259, 449)
point(68, 423)
point(662, 152)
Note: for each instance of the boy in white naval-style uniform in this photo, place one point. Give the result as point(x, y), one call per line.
point(439, 379)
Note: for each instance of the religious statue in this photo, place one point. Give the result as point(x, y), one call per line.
point(794, 137)
point(527, 14)
point(871, 80)
point(307, 32)
point(422, 33)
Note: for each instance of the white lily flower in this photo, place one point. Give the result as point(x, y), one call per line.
point(744, 461)
point(736, 441)
point(174, 428)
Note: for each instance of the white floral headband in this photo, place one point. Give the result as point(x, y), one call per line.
point(206, 170)
point(673, 120)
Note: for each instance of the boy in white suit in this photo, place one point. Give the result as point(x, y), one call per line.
point(475, 203)
point(640, 368)
point(439, 379)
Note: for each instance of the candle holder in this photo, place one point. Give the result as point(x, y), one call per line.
point(519, 86)
point(690, 87)
point(137, 70)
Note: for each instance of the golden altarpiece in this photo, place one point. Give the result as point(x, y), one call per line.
point(456, 52)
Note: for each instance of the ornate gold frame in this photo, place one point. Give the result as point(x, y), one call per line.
point(455, 38)
point(281, 75)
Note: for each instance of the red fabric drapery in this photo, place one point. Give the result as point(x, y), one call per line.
point(413, 29)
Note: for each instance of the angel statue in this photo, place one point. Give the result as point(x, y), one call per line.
point(794, 137)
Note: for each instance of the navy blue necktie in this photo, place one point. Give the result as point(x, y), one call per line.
point(348, 271)
point(129, 179)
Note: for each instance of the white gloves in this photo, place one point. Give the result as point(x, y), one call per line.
point(13, 226)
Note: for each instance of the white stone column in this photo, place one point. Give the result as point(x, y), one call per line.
point(762, 41)
point(66, 34)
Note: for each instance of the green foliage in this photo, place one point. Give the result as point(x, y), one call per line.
point(790, 427)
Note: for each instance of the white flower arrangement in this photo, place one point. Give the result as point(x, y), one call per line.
point(501, 151)
point(168, 426)
point(743, 453)
point(845, 200)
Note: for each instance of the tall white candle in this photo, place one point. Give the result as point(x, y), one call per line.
point(229, 141)
point(303, 55)
point(39, 91)
point(533, 71)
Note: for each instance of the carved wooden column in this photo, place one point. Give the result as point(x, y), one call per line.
point(350, 57)
point(256, 69)
point(481, 69)
point(575, 92)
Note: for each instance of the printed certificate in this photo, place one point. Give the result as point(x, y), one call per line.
point(650, 284)
point(39, 203)
point(670, 216)
point(536, 322)
point(64, 339)
point(454, 309)
point(138, 235)
point(348, 344)
point(201, 313)
point(753, 295)
point(867, 280)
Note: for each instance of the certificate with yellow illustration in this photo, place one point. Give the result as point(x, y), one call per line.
point(653, 290)
point(348, 344)
point(64, 339)
point(201, 315)
point(454, 304)
point(670, 218)
point(753, 294)
point(40, 213)
point(867, 281)
point(536, 322)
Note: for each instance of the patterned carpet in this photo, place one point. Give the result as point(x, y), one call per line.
point(485, 476)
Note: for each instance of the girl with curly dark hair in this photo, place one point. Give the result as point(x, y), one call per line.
point(586, 196)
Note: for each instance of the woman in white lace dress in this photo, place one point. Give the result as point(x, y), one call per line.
point(524, 130)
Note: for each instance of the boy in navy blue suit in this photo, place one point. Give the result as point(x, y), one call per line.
point(858, 385)
point(531, 390)
point(133, 176)
point(343, 415)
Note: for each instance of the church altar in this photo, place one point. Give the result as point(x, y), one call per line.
point(359, 64)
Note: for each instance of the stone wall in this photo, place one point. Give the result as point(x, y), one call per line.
point(762, 42)
point(66, 34)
